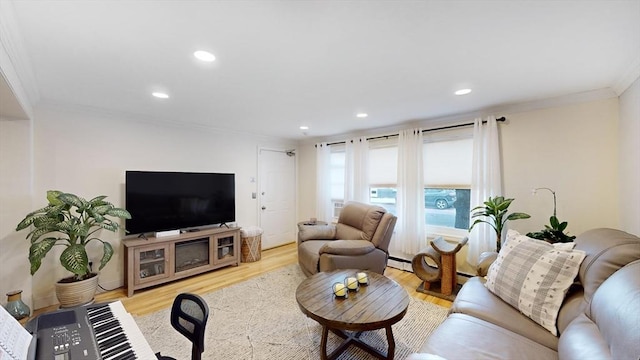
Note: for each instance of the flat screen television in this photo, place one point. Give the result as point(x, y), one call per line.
point(161, 201)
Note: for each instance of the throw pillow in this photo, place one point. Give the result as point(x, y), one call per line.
point(533, 276)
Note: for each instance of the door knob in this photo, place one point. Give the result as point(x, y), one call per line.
point(264, 208)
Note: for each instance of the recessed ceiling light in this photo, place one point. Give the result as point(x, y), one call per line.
point(362, 115)
point(204, 56)
point(463, 91)
point(304, 128)
point(160, 95)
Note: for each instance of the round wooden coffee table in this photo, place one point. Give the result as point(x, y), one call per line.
point(378, 305)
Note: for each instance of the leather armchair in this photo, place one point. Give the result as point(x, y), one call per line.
point(360, 240)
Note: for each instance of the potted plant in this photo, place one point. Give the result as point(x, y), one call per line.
point(554, 232)
point(494, 213)
point(71, 221)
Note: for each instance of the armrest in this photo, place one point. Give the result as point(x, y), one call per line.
point(347, 247)
point(316, 232)
point(484, 261)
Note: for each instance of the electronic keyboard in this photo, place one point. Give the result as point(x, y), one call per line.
point(95, 332)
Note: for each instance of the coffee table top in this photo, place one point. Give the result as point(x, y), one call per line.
point(381, 303)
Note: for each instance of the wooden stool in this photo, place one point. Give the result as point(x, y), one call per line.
point(443, 255)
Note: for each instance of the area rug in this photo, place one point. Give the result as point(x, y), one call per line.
point(260, 319)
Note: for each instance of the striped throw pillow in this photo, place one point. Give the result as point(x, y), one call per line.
point(534, 276)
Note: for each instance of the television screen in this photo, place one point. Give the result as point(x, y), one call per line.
point(160, 201)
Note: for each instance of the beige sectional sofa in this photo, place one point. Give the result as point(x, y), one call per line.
point(598, 319)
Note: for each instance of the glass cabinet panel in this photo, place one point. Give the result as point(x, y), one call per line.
point(225, 248)
point(152, 263)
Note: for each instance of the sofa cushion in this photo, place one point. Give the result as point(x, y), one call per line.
point(534, 276)
point(610, 329)
point(582, 340)
point(462, 336)
point(476, 300)
point(607, 251)
point(614, 309)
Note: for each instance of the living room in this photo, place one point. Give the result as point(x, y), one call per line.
point(583, 142)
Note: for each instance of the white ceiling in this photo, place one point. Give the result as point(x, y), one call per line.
point(282, 64)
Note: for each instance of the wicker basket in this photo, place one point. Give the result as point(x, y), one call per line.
point(251, 248)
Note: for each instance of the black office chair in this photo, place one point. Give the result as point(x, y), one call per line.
point(189, 315)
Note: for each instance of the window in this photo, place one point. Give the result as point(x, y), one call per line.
point(383, 172)
point(447, 173)
point(447, 207)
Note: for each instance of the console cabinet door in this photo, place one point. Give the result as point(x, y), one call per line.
point(226, 248)
point(151, 263)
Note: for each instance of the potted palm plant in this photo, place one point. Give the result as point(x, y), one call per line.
point(71, 221)
point(494, 213)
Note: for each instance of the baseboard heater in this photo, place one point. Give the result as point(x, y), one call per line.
point(399, 259)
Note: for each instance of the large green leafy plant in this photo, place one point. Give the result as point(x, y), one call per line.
point(494, 212)
point(71, 221)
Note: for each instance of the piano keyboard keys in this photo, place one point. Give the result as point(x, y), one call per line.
point(116, 333)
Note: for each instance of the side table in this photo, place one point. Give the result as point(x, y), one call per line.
point(444, 255)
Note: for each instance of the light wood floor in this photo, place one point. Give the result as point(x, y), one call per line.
point(153, 299)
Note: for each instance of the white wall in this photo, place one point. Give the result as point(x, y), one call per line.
point(306, 155)
point(571, 149)
point(15, 202)
point(87, 153)
point(629, 154)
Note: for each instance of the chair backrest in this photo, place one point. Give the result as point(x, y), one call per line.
point(189, 315)
point(360, 221)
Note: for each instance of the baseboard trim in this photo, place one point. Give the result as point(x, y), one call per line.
point(405, 265)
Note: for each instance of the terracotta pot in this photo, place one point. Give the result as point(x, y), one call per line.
point(76, 293)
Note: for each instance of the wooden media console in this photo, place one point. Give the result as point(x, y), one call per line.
point(154, 261)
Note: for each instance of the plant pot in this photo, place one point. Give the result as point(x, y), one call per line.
point(76, 293)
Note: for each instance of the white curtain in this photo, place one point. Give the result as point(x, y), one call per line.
point(356, 185)
point(486, 181)
point(324, 209)
point(410, 228)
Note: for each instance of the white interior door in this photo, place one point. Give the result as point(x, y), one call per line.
point(277, 196)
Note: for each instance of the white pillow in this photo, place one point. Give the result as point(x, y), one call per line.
point(534, 276)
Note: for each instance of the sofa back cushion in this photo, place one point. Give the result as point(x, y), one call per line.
point(607, 251)
point(610, 327)
point(358, 221)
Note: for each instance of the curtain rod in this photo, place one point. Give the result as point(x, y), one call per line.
point(426, 130)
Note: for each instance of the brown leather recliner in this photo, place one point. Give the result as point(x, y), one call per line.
point(360, 240)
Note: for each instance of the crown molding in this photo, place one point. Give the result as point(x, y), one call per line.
point(55, 106)
point(461, 118)
point(15, 65)
point(628, 77)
